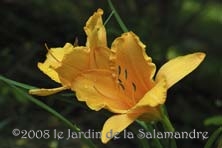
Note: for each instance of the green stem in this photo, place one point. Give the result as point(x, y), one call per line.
point(148, 127)
point(155, 140)
point(213, 138)
point(109, 17)
point(167, 125)
point(143, 142)
point(118, 18)
point(165, 119)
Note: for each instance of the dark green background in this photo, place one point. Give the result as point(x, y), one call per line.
point(168, 27)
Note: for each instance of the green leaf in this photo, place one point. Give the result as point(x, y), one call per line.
point(215, 120)
point(25, 95)
point(56, 114)
point(25, 86)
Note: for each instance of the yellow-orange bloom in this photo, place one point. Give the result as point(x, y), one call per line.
point(75, 60)
point(120, 80)
point(128, 88)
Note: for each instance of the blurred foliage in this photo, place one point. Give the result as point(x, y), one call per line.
point(168, 27)
point(214, 120)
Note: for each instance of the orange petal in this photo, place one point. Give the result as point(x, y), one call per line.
point(95, 31)
point(177, 68)
point(46, 92)
point(116, 124)
point(78, 61)
point(155, 96)
point(99, 58)
point(73, 64)
point(49, 65)
point(99, 90)
point(96, 41)
point(134, 68)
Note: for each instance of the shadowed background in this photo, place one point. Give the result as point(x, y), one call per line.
point(168, 27)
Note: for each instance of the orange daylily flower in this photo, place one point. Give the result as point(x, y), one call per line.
point(128, 87)
point(94, 55)
point(120, 80)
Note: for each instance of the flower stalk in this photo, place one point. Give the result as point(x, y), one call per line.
point(118, 18)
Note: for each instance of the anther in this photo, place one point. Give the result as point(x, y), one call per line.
point(119, 70)
point(122, 86)
point(134, 86)
point(125, 74)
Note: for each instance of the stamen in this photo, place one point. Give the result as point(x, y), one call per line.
point(134, 86)
point(47, 48)
point(125, 74)
point(119, 70)
point(65, 65)
point(76, 42)
point(133, 92)
point(122, 86)
point(119, 81)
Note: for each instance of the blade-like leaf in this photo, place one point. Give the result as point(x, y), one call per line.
point(215, 120)
point(25, 86)
point(25, 95)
